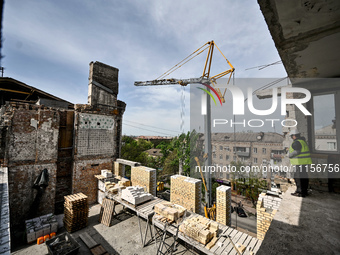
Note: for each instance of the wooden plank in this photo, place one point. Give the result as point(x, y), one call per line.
point(147, 207)
point(252, 243)
point(98, 250)
point(257, 246)
point(247, 241)
point(242, 238)
point(230, 247)
point(145, 204)
point(240, 241)
point(108, 211)
point(88, 240)
point(221, 239)
point(225, 241)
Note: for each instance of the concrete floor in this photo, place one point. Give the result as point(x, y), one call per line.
point(309, 225)
point(123, 237)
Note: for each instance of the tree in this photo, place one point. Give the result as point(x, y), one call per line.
point(171, 163)
point(247, 184)
point(135, 150)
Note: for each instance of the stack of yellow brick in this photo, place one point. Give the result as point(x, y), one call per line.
point(119, 169)
point(169, 210)
point(199, 228)
point(266, 209)
point(187, 192)
point(223, 205)
point(144, 177)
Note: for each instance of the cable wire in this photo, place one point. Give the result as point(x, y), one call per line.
point(147, 129)
point(151, 126)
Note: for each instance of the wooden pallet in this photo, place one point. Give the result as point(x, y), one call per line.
point(106, 212)
point(76, 211)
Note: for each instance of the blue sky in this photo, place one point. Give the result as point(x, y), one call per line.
point(49, 45)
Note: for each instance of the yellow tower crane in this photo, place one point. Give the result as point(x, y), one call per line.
point(210, 210)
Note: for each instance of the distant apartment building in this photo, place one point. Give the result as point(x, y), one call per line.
point(251, 149)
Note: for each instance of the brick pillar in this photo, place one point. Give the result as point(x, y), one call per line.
point(187, 192)
point(145, 177)
point(223, 204)
point(119, 169)
point(266, 209)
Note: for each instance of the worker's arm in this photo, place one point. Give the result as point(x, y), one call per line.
point(297, 149)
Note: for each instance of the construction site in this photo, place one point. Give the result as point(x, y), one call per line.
point(66, 189)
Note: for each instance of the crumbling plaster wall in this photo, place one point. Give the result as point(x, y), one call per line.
point(32, 145)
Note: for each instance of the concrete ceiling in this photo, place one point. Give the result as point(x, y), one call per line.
point(306, 34)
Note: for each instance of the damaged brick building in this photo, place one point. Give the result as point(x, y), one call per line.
point(73, 142)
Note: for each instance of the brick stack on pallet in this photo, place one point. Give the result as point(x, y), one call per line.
point(169, 210)
point(76, 211)
point(187, 192)
point(223, 205)
point(144, 177)
point(266, 209)
point(199, 228)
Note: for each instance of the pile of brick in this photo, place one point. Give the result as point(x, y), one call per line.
point(41, 226)
point(187, 192)
point(266, 209)
point(110, 186)
point(144, 177)
point(223, 205)
point(106, 173)
point(123, 181)
point(76, 210)
point(135, 195)
point(200, 228)
point(169, 210)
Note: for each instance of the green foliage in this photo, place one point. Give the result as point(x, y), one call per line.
point(214, 187)
point(171, 163)
point(180, 150)
point(135, 150)
point(247, 184)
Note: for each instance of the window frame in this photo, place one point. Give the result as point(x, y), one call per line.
point(311, 129)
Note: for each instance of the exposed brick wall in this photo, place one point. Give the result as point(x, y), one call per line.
point(187, 192)
point(223, 205)
point(32, 142)
point(119, 169)
point(83, 176)
point(34, 135)
point(145, 177)
point(21, 194)
point(266, 209)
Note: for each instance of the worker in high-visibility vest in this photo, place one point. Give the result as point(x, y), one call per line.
point(299, 156)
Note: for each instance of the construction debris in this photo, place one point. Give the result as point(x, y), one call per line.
point(76, 210)
point(169, 210)
point(200, 228)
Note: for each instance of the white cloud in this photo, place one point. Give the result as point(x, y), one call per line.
point(142, 38)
